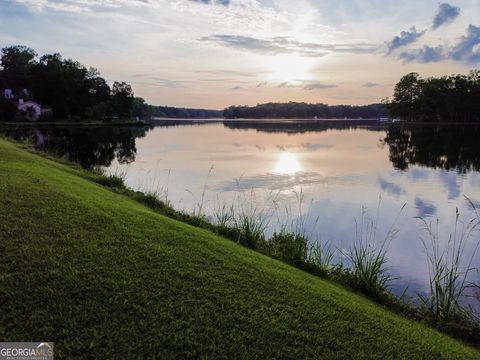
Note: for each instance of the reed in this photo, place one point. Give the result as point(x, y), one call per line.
point(449, 268)
point(368, 258)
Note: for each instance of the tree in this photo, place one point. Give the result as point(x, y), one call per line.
point(406, 96)
point(122, 97)
point(69, 88)
point(140, 109)
point(453, 98)
point(304, 111)
point(16, 63)
point(50, 86)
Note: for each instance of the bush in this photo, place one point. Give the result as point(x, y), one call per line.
point(251, 230)
point(321, 257)
point(113, 181)
point(291, 248)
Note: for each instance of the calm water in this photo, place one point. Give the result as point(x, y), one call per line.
point(338, 169)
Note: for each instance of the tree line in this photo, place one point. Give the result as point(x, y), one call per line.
point(298, 110)
point(454, 98)
point(68, 88)
point(142, 110)
point(185, 113)
point(74, 92)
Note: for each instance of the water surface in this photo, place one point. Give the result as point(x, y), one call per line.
point(338, 168)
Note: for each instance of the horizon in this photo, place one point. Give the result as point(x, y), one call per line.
point(213, 54)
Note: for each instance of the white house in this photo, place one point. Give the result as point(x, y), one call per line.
point(27, 108)
point(31, 110)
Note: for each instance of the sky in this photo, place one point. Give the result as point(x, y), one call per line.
point(216, 53)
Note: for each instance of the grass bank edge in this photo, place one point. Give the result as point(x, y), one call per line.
point(280, 247)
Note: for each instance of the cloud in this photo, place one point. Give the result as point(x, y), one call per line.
point(467, 49)
point(168, 83)
point(286, 45)
point(424, 55)
point(272, 181)
point(450, 180)
point(236, 88)
point(405, 38)
point(419, 174)
point(145, 79)
point(370, 84)
point(391, 188)
point(287, 84)
point(239, 14)
point(424, 208)
point(86, 5)
point(315, 147)
point(221, 2)
point(446, 13)
point(228, 73)
point(79, 6)
point(318, 85)
point(262, 84)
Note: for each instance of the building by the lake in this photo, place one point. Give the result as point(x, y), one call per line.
point(27, 108)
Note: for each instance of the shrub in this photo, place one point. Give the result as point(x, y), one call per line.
point(288, 247)
point(321, 256)
point(113, 181)
point(251, 230)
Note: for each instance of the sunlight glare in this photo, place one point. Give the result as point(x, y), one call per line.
point(287, 164)
point(289, 68)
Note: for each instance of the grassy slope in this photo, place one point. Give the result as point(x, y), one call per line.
point(103, 276)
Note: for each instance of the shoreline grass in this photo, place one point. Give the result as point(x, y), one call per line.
point(448, 276)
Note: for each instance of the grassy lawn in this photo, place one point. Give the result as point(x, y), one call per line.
point(104, 277)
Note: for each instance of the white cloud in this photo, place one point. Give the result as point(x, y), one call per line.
point(84, 5)
point(336, 42)
point(240, 15)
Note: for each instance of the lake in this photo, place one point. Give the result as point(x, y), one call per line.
point(322, 176)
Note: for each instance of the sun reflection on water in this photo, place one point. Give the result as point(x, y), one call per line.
point(287, 164)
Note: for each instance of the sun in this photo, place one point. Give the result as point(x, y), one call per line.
point(289, 68)
point(287, 164)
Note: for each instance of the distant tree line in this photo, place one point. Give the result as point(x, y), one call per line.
point(142, 110)
point(69, 89)
point(185, 113)
point(297, 110)
point(453, 98)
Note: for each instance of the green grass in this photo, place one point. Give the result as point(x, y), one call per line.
point(105, 277)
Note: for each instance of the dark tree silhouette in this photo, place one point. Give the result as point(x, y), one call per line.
point(70, 89)
point(16, 63)
point(123, 96)
point(453, 98)
point(294, 110)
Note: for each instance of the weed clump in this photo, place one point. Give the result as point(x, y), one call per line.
point(288, 247)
